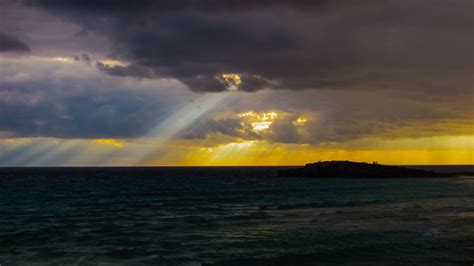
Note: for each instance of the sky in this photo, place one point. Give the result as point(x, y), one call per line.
point(232, 82)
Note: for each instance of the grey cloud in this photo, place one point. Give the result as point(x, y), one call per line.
point(75, 108)
point(285, 131)
point(205, 83)
point(86, 58)
point(10, 43)
point(288, 44)
point(82, 33)
point(201, 129)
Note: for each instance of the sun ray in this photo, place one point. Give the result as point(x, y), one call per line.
point(137, 152)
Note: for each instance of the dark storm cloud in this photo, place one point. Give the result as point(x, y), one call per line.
point(10, 43)
point(287, 44)
point(124, 71)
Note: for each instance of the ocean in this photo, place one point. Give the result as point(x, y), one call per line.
point(231, 216)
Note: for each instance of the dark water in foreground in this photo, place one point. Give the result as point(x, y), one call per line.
point(230, 216)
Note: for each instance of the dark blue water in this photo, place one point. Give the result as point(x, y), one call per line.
point(230, 216)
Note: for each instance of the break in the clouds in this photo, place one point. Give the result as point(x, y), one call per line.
point(284, 44)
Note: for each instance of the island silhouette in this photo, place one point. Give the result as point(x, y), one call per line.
point(348, 169)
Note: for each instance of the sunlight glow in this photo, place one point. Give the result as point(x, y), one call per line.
point(233, 80)
point(259, 121)
point(61, 59)
point(111, 62)
point(159, 151)
point(301, 121)
point(265, 153)
point(257, 126)
point(113, 142)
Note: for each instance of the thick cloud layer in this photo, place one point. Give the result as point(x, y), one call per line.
point(353, 70)
point(285, 44)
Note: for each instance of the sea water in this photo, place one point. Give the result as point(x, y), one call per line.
point(230, 216)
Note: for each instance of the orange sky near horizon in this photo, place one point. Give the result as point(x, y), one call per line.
point(263, 154)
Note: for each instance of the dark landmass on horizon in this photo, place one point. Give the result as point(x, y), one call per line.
point(348, 169)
